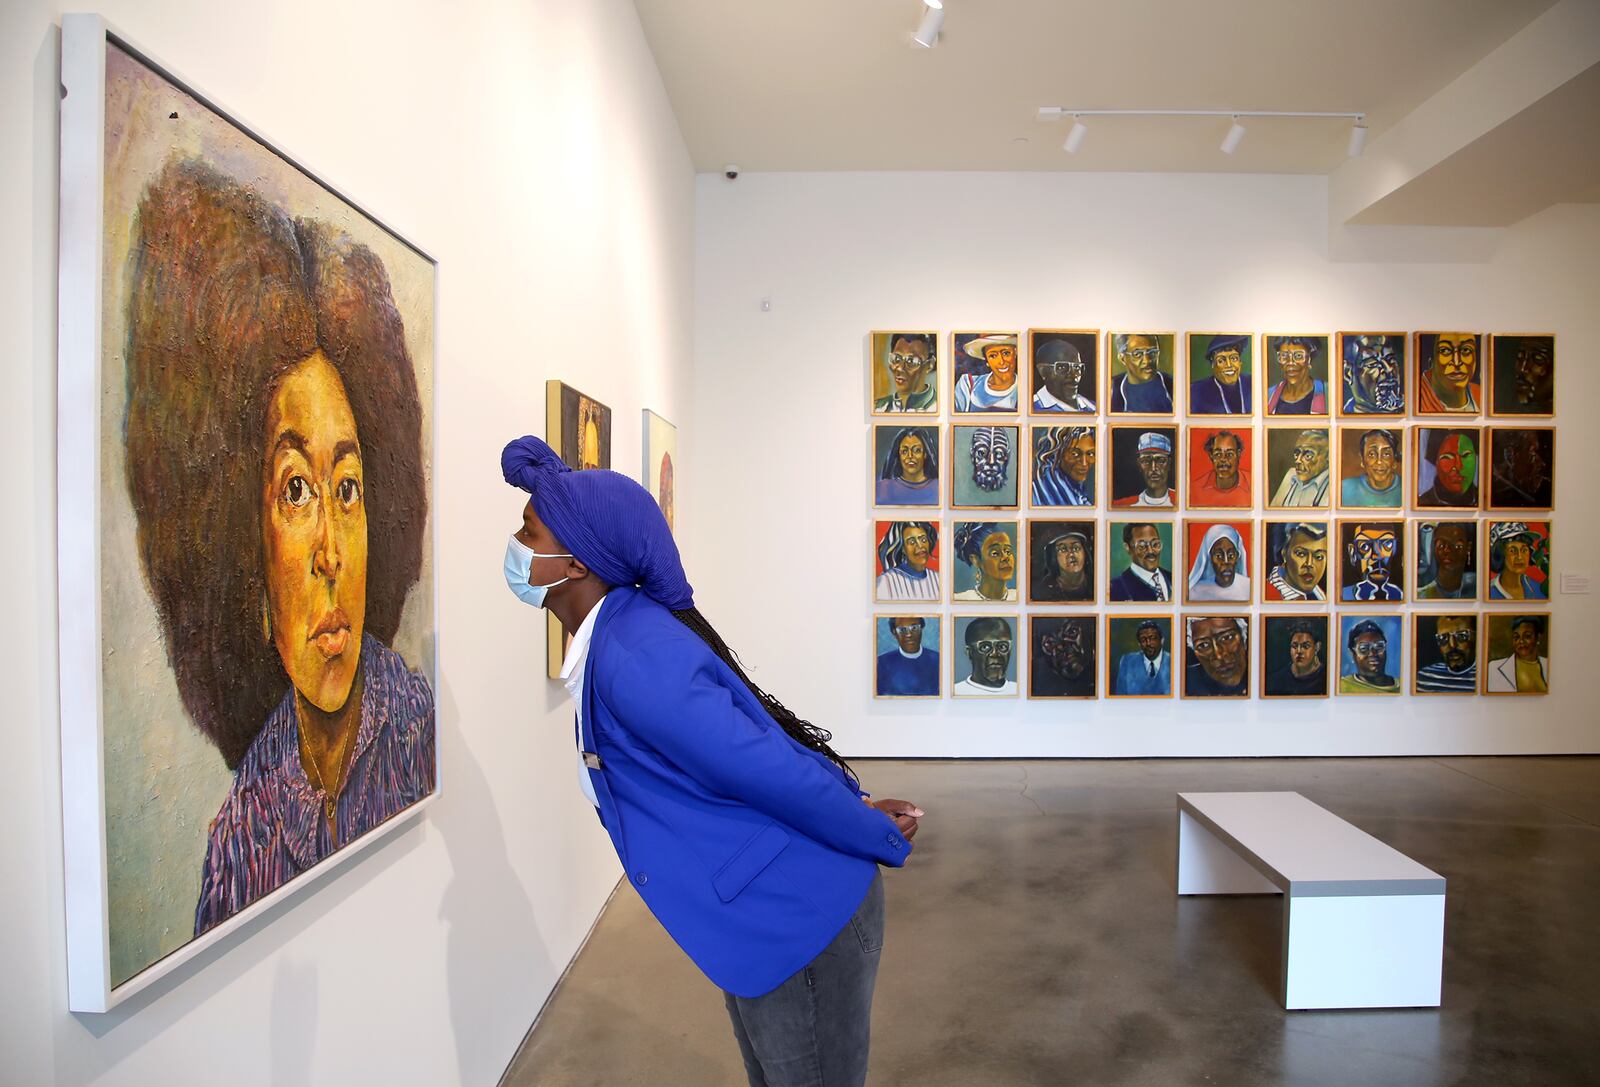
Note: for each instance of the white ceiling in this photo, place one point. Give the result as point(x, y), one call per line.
point(836, 84)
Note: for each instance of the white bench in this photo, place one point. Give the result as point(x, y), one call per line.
point(1363, 923)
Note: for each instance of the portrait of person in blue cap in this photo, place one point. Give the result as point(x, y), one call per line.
point(742, 829)
point(1145, 477)
point(1219, 374)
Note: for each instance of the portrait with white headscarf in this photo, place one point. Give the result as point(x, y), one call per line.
point(1219, 565)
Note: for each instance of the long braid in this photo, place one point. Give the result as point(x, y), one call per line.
point(804, 732)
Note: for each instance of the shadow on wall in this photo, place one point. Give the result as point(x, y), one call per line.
point(480, 975)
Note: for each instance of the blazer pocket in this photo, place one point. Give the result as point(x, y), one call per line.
point(748, 862)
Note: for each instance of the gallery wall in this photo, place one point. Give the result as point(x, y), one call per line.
point(794, 270)
point(530, 148)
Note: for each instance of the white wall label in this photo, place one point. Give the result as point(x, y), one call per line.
point(1574, 583)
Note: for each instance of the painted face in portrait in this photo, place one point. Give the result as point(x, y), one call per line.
point(1534, 371)
point(1150, 642)
point(1527, 463)
point(1457, 463)
point(1070, 555)
point(1063, 376)
point(917, 547)
point(1224, 452)
point(913, 459)
point(1305, 561)
point(1378, 461)
point(1371, 653)
point(1220, 647)
point(908, 366)
point(664, 496)
point(989, 645)
point(1303, 656)
point(1373, 373)
point(1452, 547)
point(1156, 467)
point(1453, 636)
point(1067, 649)
point(1294, 359)
point(991, 455)
point(1226, 366)
point(997, 557)
point(1078, 457)
point(1516, 556)
point(1139, 356)
point(1455, 360)
point(1371, 552)
point(1002, 360)
point(1144, 547)
point(314, 533)
point(908, 633)
point(1309, 456)
point(1525, 641)
point(1224, 562)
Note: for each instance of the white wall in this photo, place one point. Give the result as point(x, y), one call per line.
point(786, 507)
point(530, 147)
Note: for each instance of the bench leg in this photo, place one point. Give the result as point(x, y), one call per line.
point(1382, 951)
point(1207, 866)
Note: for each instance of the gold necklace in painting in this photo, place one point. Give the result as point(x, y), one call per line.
point(330, 799)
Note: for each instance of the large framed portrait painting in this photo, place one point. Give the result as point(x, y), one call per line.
point(246, 541)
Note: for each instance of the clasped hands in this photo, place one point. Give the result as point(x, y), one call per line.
point(904, 813)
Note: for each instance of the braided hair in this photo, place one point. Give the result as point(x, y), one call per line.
point(801, 731)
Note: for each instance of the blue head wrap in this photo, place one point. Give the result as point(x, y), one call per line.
point(606, 520)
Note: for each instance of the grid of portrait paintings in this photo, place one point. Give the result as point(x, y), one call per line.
point(1086, 513)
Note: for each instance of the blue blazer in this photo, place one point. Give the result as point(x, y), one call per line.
point(752, 850)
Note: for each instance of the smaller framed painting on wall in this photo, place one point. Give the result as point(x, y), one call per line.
point(903, 373)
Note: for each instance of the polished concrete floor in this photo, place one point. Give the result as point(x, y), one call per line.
point(1035, 938)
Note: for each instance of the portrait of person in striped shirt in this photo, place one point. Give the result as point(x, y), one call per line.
point(1446, 654)
point(908, 561)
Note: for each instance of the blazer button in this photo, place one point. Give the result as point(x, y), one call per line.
point(641, 879)
point(894, 843)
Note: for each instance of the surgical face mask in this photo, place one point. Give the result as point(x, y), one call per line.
point(519, 563)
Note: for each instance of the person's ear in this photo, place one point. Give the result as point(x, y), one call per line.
point(576, 570)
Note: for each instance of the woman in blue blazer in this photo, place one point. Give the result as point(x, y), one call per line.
point(746, 835)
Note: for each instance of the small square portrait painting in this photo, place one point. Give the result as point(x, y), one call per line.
point(904, 370)
point(983, 467)
point(1216, 662)
point(1519, 560)
point(1371, 560)
point(1299, 468)
point(1447, 560)
point(1294, 656)
point(1372, 373)
point(985, 567)
point(1063, 468)
point(1061, 661)
point(1521, 468)
point(985, 656)
point(1139, 561)
point(1140, 373)
point(1447, 381)
point(1516, 653)
point(1217, 557)
point(1295, 558)
point(1295, 374)
point(1220, 373)
point(1144, 466)
point(907, 561)
point(1061, 558)
point(1139, 656)
point(907, 648)
point(986, 369)
point(1064, 367)
point(1447, 460)
point(1370, 462)
point(1221, 463)
point(1444, 653)
point(905, 465)
point(1522, 375)
point(1369, 654)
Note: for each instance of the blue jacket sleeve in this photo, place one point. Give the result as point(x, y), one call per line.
point(676, 703)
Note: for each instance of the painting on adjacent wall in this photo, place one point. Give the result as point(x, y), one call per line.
point(985, 566)
point(907, 649)
point(1061, 557)
point(1447, 560)
point(1139, 656)
point(1294, 374)
point(1521, 468)
point(1372, 561)
point(903, 373)
point(1448, 380)
point(1139, 562)
point(1221, 373)
point(983, 466)
point(1144, 465)
point(1369, 654)
point(1448, 460)
point(905, 465)
point(906, 561)
point(578, 427)
point(1519, 560)
point(1299, 468)
point(247, 633)
point(1141, 373)
point(1522, 375)
point(659, 468)
point(1295, 558)
point(1370, 467)
point(1063, 465)
point(1444, 653)
point(1221, 466)
point(1217, 558)
point(1372, 373)
point(985, 372)
point(1064, 367)
point(985, 656)
point(1516, 653)
point(1216, 662)
point(1062, 657)
point(1294, 656)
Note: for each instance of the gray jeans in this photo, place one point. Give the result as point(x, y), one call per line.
point(814, 1029)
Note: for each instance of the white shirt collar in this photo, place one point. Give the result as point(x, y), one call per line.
point(578, 652)
point(1044, 398)
point(1149, 577)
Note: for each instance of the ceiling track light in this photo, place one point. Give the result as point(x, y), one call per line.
point(1230, 142)
point(927, 34)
